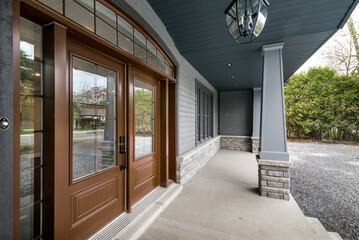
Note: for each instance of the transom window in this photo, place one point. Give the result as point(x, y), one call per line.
point(112, 27)
point(204, 113)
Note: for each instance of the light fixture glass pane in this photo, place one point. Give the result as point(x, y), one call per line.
point(54, 4)
point(261, 19)
point(105, 31)
point(124, 27)
point(79, 14)
point(140, 39)
point(232, 27)
point(144, 121)
point(125, 43)
point(106, 14)
point(140, 52)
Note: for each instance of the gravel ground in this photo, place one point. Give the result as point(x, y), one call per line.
point(325, 184)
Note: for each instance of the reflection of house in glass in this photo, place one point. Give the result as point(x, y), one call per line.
point(90, 117)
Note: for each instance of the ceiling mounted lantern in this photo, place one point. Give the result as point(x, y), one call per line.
point(246, 19)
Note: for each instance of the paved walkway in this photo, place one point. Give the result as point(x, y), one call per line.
point(221, 202)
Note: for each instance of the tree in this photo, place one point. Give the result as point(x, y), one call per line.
point(343, 53)
point(320, 104)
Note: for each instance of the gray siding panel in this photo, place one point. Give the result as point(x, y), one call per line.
point(236, 113)
point(6, 110)
point(186, 75)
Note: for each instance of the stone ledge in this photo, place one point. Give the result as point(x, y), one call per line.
point(274, 163)
point(230, 136)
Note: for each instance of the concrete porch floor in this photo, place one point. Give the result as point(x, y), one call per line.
point(221, 202)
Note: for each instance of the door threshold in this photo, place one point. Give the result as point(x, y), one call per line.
point(131, 225)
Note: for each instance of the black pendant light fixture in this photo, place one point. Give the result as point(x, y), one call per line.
point(246, 19)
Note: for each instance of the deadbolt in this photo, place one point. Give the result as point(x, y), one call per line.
point(4, 123)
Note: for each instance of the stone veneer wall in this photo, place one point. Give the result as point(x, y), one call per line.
point(238, 143)
point(189, 163)
point(255, 144)
point(274, 178)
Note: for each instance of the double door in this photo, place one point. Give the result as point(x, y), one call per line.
point(113, 141)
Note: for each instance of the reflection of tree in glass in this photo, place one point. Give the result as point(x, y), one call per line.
point(95, 96)
point(143, 112)
point(27, 73)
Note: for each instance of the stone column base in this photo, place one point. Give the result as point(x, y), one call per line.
point(255, 144)
point(274, 178)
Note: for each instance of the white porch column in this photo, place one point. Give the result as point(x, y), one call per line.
point(257, 92)
point(273, 159)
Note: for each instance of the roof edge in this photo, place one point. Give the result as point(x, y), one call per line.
point(346, 17)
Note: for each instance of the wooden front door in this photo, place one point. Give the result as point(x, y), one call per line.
point(96, 186)
point(143, 142)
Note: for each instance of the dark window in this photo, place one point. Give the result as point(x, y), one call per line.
point(204, 113)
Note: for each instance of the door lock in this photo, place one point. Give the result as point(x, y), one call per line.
point(4, 123)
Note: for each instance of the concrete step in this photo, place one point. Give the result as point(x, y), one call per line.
point(335, 236)
point(318, 230)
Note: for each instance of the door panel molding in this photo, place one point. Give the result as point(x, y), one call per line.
point(96, 199)
point(143, 177)
point(84, 205)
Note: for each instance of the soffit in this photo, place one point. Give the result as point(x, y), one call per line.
point(199, 31)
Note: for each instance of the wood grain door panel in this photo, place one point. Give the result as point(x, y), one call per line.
point(88, 201)
point(143, 173)
point(98, 197)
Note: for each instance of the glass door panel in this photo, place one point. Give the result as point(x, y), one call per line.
point(144, 118)
point(94, 118)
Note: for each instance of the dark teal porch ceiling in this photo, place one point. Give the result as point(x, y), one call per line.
point(199, 31)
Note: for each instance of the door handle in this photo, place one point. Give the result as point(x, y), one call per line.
point(123, 151)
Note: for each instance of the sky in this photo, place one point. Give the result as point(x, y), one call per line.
point(318, 60)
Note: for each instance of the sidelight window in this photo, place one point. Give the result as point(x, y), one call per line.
point(31, 130)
